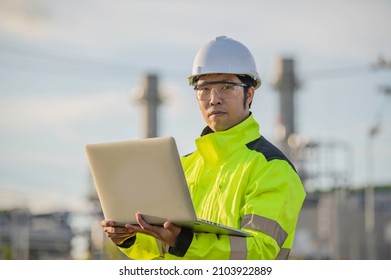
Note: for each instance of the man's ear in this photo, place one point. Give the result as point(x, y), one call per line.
point(250, 95)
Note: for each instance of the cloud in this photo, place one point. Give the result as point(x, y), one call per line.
point(27, 18)
point(350, 26)
point(30, 113)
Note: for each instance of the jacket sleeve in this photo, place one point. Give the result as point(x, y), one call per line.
point(273, 202)
point(144, 248)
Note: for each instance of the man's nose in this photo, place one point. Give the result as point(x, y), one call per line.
point(215, 96)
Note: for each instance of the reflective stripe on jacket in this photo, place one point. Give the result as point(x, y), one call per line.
point(237, 178)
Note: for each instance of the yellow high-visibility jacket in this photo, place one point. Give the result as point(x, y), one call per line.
point(237, 178)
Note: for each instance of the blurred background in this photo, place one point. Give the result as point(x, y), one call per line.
point(77, 72)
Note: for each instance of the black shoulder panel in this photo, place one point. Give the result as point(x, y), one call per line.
point(270, 151)
point(189, 154)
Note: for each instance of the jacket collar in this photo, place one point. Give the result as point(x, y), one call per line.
point(215, 146)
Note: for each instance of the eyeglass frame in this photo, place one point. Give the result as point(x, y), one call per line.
point(196, 88)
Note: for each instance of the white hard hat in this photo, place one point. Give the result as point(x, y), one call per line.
point(225, 56)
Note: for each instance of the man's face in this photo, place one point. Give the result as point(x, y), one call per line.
point(223, 113)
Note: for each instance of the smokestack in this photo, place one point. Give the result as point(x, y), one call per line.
point(286, 84)
point(151, 100)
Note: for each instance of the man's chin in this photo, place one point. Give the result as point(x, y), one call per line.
point(218, 126)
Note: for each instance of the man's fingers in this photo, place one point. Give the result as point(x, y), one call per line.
point(139, 218)
point(118, 235)
point(117, 230)
point(107, 223)
point(169, 226)
point(175, 230)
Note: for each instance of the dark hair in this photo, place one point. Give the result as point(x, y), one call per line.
point(245, 79)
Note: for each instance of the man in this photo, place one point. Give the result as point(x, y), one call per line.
point(236, 177)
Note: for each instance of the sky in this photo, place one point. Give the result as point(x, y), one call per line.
point(71, 73)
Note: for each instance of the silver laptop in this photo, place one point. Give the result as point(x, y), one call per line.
point(146, 176)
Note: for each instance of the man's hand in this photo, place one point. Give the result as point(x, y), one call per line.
point(117, 234)
point(167, 233)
